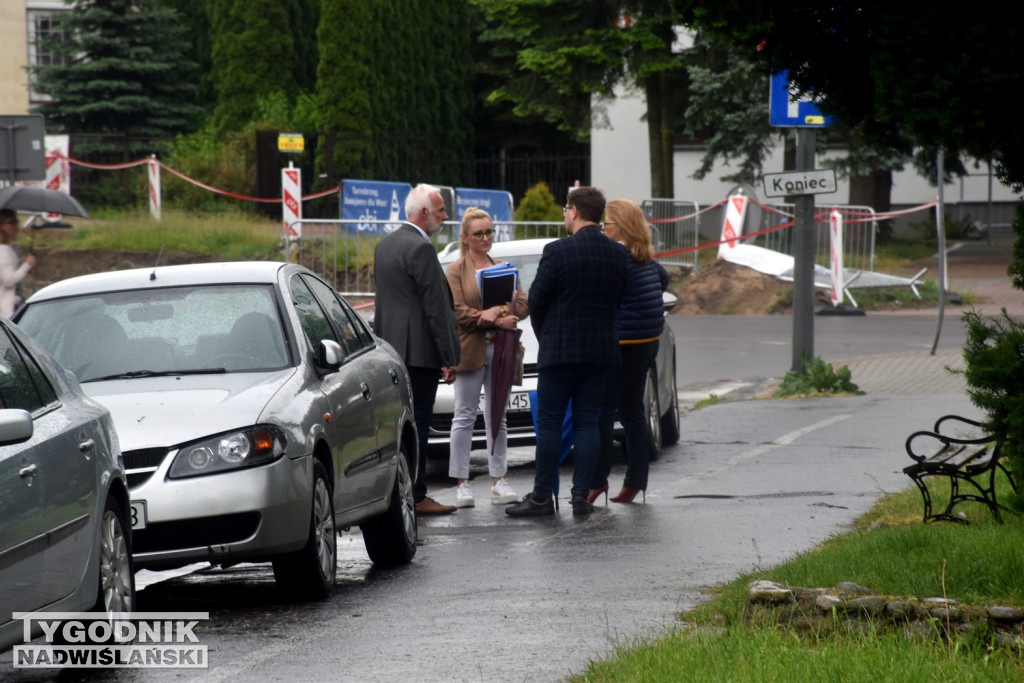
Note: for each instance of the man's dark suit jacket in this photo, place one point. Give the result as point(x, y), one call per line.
point(574, 298)
point(414, 308)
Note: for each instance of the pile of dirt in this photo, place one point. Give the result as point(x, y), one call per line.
point(723, 287)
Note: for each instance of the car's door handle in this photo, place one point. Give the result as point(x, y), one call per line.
point(28, 471)
point(366, 390)
point(87, 445)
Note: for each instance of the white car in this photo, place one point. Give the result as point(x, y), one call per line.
point(660, 395)
point(65, 543)
point(257, 412)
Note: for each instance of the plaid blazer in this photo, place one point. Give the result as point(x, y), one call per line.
point(574, 299)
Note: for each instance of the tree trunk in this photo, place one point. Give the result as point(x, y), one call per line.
point(874, 190)
point(660, 135)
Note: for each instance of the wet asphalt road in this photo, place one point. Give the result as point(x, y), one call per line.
point(490, 598)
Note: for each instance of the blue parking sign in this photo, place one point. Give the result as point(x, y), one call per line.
point(783, 111)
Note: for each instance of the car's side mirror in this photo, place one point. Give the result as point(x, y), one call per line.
point(15, 426)
point(329, 354)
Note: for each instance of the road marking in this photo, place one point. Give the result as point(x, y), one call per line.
point(784, 440)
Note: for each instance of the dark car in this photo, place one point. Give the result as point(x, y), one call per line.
point(65, 541)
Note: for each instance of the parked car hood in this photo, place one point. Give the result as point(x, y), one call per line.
point(156, 412)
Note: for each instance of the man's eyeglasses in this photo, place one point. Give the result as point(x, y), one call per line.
point(565, 209)
point(482, 234)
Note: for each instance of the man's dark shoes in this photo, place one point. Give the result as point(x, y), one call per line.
point(581, 506)
point(531, 507)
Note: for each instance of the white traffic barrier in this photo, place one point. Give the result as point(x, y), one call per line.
point(291, 200)
point(835, 224)
point(732, 226)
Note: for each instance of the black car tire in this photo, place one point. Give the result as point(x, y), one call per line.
point(670, 418)
point(117, 573)
point(390, 537)
point(310, 573)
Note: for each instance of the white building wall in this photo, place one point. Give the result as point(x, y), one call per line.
point(620, 167)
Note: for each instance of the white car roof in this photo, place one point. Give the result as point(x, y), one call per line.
point(164, 276)
point(501, 250)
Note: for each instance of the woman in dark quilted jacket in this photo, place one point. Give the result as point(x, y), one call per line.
point(641, 318)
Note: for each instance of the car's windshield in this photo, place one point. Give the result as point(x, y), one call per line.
point(221, 328)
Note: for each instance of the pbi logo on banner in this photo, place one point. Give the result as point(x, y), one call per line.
point(129, 640)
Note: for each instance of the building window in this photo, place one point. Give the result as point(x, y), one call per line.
point(44, 27)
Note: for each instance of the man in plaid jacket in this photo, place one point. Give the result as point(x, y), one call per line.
point(573, 302)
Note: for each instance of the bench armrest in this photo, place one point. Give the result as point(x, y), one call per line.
point(931, 444)
point(955, 418)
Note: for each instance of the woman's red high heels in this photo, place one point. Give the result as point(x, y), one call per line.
point(596, 493)
point(626, 495)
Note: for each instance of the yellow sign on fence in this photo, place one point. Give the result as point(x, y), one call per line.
point(291, 142)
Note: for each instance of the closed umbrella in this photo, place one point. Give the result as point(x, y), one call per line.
point(503, 369)
point(40, 200)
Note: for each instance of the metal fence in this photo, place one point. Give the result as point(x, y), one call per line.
point(341, 251)
point(859, 232)
point(675, 225)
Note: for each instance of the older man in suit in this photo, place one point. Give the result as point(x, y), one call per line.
point(415, 313)
point(573, 305)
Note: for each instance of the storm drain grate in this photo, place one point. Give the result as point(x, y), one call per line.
point(787, 494)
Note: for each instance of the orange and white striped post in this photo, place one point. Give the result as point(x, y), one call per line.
point(155, 197)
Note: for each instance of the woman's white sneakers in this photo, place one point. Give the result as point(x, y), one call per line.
point(502, 494)
point(464, 496)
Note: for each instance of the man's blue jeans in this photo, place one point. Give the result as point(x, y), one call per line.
point(556, 384)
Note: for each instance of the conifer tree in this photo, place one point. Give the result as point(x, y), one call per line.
point(121, 71)
point(253, 57)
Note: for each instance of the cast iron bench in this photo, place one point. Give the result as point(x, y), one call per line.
point(970, 461)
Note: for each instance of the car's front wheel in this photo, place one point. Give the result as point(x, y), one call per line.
point(310, 572)
point(117, 578)
point(390, 537)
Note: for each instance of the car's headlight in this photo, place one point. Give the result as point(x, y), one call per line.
point(231, 451)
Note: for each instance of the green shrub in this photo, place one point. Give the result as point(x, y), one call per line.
point(817, 377)
point(994, 367)
point(539, 205)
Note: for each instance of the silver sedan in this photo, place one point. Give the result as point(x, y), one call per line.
point(258, 413)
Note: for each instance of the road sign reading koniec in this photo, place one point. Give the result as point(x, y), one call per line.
point(799, 182)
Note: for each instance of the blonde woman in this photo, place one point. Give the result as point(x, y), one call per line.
point(641, 318)
point(476, 328)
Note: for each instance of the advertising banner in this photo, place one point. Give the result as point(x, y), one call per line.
point(373, 200)
point(497, 203)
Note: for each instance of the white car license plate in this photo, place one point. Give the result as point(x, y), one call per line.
point(138, 514)
point(517, 402)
